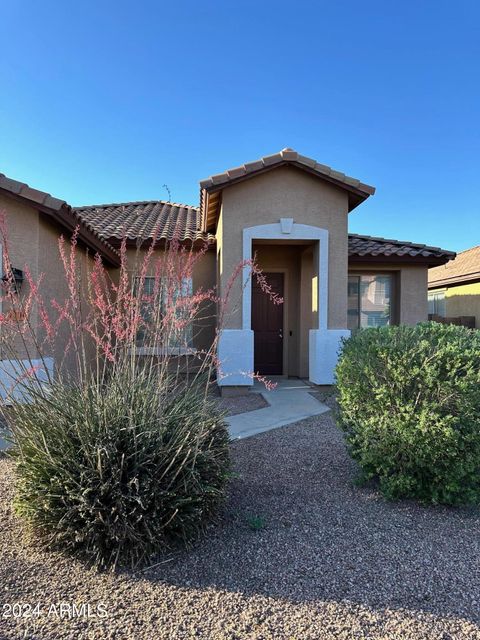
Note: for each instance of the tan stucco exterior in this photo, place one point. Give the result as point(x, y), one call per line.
point(23, 231)
point(33, 241)
point(413, 301)
point(54, 286)
point(410, 289)
point(462, 300)
point(204, 278)
point(285, 192)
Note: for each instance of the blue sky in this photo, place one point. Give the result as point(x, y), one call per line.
point(109, 100)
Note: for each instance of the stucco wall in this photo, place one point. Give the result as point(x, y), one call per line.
point(307, 316)
point(413, 295)
point(33, 242)
point(204, 277)
point(55, 287)
point(464, 300)
point(410, 294)
point(22, 222)
point(285, 192)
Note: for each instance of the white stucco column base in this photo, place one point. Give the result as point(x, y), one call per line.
point(13, 382)
point(323, 349)
point(235, 354)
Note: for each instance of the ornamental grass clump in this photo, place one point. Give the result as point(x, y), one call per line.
point(118, 472)
point(409, 403)
point(120, 450)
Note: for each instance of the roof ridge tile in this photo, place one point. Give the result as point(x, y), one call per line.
point(133, 202)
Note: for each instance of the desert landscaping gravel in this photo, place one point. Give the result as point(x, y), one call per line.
point(242, 404)
point(300, 553)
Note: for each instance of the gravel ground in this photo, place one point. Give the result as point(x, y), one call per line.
point(242, 404)
point(326, 397)
point(327, 560)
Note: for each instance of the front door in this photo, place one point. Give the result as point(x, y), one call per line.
point(267, 325)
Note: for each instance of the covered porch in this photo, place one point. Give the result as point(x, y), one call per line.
point(292, 339)
point(281, 331)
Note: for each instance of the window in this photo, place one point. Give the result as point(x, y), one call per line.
point(369, 301)
point(178, 339)
point(436, 303)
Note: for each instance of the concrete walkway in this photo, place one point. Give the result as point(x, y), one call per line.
point(290, 401)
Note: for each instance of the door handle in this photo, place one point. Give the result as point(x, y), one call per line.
point(280, 333)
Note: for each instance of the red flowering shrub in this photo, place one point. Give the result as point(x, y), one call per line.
point(120, 451)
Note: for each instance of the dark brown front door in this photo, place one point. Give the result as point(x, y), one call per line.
point(267, 324)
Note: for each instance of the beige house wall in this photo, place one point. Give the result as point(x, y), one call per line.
point(33, 242)
point(411, 299)
point(22, 228)
point(413, 295)
point(285, 192)
point(307, 315)
point(55, 287)
point(204, 278)
point(464, 300)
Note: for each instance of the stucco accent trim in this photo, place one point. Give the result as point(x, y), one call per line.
point(12, 379)
point(323, 350)
point(274, 231)
point(286, 224)
point(235, 355)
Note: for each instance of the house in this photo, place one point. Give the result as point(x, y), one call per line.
point(454, 288)
point(288, 210)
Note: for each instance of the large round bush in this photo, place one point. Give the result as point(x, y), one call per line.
point(120, 471)
point(409, 400)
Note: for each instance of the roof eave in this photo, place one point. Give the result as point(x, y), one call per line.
point(142, 243)
point(428, 261)
point(457, 280)
point(69, 219)
point(65, 217)
point(356, 194)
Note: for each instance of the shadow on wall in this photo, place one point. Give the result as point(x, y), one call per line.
point(462, 321)
point(464, 304)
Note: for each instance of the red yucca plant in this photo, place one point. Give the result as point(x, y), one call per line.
point(120, 448)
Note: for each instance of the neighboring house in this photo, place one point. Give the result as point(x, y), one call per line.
point(292, 213)
point(454, 288)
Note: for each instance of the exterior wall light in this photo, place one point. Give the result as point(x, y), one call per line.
point(18, 279)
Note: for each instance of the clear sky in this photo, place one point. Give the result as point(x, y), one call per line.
point(108, 100)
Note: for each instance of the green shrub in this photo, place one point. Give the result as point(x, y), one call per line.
point(409, 403)
point(119, 471)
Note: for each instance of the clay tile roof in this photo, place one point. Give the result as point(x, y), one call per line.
point(209, 201)
point(23, 190)
point(285, 156)
point(383, 248)
point(465, 268)
point(147, 220)
point(62, 213)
